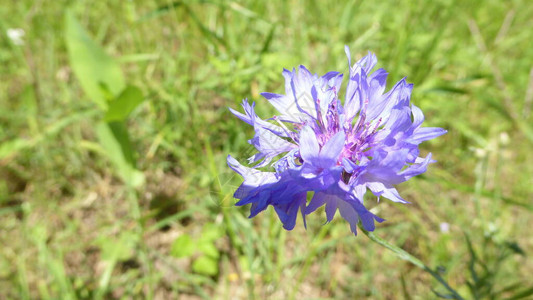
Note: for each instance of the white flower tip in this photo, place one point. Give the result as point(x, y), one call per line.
point(16, 35)
point(444, 227)
point(504, 139)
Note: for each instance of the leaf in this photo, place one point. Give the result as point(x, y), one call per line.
point(91, 64)
point(473, 260)
point(124, 104)
point(210, 233)
point(183, 246)
point(443, 296)
point(205, 265)
point(513, 246)
point(208, 248)
point(120, 132)
point(115, 140)
point(244, 263)
point(268, 40)
point(446, 89)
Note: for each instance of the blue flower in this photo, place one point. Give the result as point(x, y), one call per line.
point(336, 152)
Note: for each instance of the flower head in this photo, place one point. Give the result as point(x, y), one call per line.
point(336, 152)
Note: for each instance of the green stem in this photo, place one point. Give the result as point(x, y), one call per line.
point(410, 258)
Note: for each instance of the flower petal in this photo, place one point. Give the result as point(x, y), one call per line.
point(317, 201)
point(330, 152)
point(349, 214)
point(425, 133)
point(309, 148)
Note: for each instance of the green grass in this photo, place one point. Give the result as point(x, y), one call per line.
point(71, 228)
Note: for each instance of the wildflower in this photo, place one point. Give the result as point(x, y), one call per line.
point(336, 152)
point(444, 227)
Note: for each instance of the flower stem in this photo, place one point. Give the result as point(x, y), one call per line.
point(415, 261)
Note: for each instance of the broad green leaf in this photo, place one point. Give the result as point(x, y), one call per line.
point(115, 142)
point(183, 246)
point(111, 145)
point(210, 232)
point(208, 248)
point(124, 104)
point(244, 263)
point(120, 132)
point(205, 265)
point(91, 64)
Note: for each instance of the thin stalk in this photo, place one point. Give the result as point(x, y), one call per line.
point(410, 258)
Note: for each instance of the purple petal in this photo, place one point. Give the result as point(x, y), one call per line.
point(287, 213)
point(269, 145)
point(425, 133)
point(309, 147)
point(332, 149)
point(367, 218)
point(381, 108)
point(347, 51)
point(418, 116)
point(317, 201)
point(349, 214)
point(331, 208)
point(387, 191)
point(252, 178)
point(417, 168)
point(377, 84)
point(348, 165)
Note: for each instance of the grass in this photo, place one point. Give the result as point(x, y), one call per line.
point(71, 228)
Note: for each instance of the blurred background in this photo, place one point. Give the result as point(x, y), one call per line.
point(115, 130)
